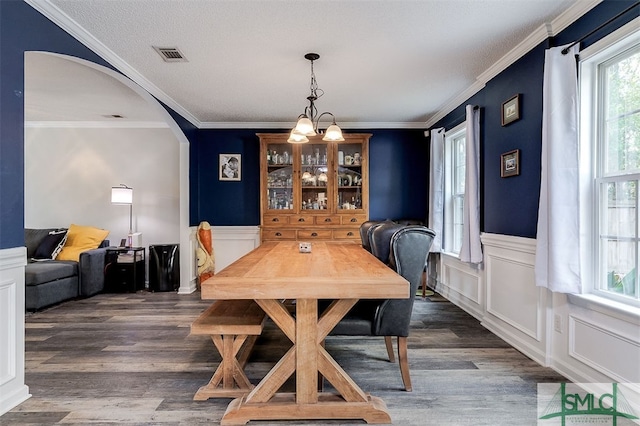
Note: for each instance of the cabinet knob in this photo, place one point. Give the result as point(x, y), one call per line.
point(301, 219)
point(275, 219)
point(278, 234)
point(353, 219)
point(349, 234)
point(314, 234)
point(328, 219)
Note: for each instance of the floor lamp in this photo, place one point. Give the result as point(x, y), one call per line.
point(124, 195)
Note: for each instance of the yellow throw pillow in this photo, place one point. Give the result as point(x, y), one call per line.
point(79, 239)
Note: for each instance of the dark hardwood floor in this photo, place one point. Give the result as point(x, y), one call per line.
point(129, 359)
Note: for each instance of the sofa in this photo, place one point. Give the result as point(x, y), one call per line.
point(49, 280)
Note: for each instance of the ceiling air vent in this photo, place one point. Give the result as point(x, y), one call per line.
point(170, 54)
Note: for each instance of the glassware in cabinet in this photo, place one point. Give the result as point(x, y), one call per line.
point(314, 177)
point(279, 177)
point(349, 179)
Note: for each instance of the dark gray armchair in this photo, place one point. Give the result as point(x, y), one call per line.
point(407, 255)
point(364, 233)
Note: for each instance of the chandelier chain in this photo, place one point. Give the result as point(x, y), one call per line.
point(307, 124)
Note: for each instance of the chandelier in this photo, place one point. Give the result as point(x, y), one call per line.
point(308, 121)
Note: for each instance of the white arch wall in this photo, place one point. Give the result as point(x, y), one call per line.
point(84, 159)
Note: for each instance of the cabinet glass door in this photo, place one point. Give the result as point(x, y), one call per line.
point(279, 177)
point(349, 177)
point(314, 177)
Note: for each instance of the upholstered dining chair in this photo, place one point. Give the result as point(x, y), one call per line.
point(364, 233)
point(409, 248)
point(380, 239)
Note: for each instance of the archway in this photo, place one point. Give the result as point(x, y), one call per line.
point(79, 106)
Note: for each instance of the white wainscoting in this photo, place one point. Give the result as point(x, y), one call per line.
point(230, 243)
point(12, 387)
point(462, 284)
point(584, 341)
point(598, 343)
point(516, 309)
point(613, 353)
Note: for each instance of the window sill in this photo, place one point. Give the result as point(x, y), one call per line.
point(451, 254)
point(608, 307)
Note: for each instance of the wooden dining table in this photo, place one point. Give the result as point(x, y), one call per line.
point(276, 272)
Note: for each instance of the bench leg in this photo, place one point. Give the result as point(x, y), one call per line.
point(229, 380)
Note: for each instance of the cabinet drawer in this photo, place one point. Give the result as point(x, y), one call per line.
point(301, 219)
point(313, 234)
point(354, 219)
point(346, 234)
point(278, 234)
point(275, 220)
point(327, 220)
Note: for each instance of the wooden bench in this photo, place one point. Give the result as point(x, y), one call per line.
point(234, 327)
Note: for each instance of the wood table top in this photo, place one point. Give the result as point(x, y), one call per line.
point(333, 270)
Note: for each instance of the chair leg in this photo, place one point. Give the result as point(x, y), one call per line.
point(389, 344)
point(404, 363)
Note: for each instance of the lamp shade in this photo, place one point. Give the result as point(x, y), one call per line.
point(295, 137)
point(304, 126)
point(121, 195)
point(333, 134)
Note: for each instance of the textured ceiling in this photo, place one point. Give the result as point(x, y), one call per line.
point(393, 63)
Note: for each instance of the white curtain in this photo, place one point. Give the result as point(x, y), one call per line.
point(471, 250)
point(557, 264)
point(436, 188)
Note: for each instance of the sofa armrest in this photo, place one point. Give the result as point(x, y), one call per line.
point(91, 272)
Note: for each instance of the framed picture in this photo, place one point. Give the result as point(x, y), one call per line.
point(230, 167)
point(510, 163)
point(511, 110)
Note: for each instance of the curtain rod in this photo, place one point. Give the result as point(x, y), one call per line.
point(566, 49)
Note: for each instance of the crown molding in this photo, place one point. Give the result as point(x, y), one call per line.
point(579, 8)
point(75, 30)
point(290, 124)
point(96, 125)
point(454, 103)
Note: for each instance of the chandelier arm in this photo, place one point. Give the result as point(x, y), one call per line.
point(317, 122)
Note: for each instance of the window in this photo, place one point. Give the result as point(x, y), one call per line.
point(454, 154)
point(610, 143)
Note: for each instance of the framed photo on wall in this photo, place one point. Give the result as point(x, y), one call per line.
point(510, 163)
point(230, 167)
point(511, 110)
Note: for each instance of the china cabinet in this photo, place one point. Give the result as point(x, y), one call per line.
point(316, 190)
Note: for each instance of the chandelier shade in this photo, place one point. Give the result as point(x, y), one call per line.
point(296, 137)
point(307, 124)
point(305, 127)
point(333, 134)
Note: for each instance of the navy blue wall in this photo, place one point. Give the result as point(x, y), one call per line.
point(510, 205)
point(24, 29)
point(398, 170)
point(21, 29)
point(224, 203)
point(398, 158)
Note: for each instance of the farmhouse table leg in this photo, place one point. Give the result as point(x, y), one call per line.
point(306, 358)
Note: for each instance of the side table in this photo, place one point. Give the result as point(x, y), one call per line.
point(124, 269)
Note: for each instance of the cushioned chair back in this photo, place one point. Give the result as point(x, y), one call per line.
point(364, 233)
point(409, 250)
point(380, 239)
point(410, 222)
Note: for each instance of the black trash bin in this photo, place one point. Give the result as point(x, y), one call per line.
point(164, 267)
